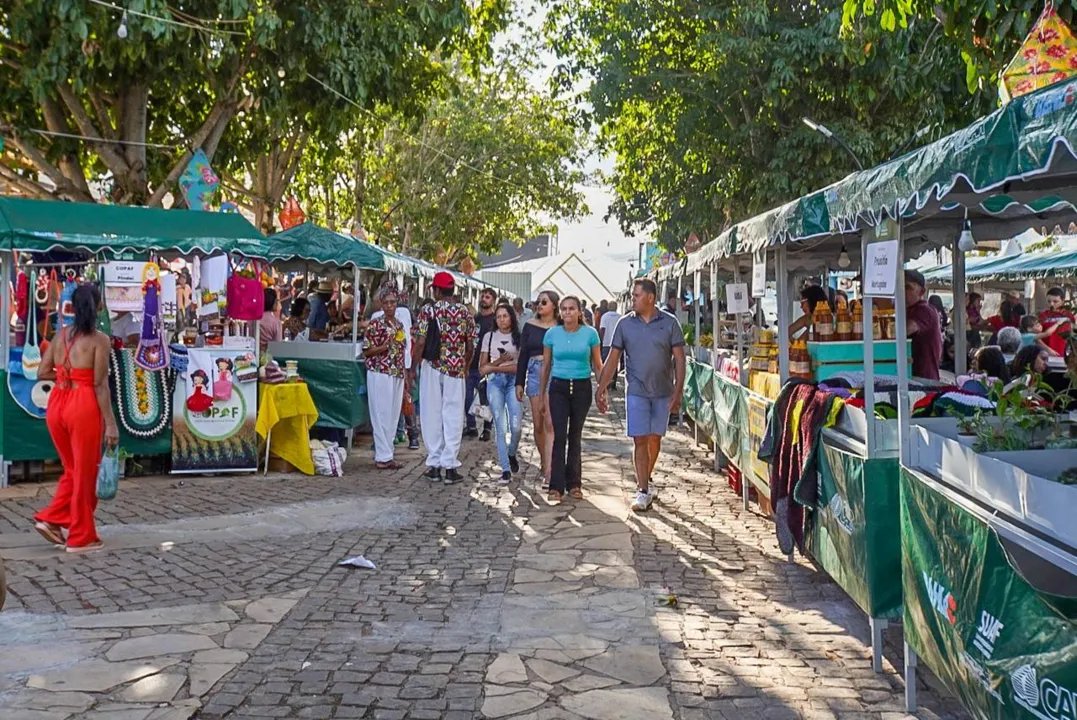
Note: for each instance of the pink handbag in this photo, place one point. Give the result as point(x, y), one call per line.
point(245, 296)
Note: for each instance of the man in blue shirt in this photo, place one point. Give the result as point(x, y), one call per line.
point(319, 309)
point(653, 347)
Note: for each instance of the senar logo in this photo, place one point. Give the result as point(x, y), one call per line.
point(1026, 691)
point(941, 599)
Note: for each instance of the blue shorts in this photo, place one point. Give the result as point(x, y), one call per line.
point(534, 375)
point(646, 416)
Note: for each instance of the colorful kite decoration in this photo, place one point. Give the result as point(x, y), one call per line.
point(1048, 55)
point(198, 182)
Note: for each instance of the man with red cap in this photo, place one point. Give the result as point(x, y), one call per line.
point(443, 344)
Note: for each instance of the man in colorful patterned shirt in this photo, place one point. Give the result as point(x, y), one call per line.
point(443, 379)
point(386, 341)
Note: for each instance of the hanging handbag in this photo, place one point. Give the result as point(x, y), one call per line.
point(31, 353)
point(246, 299)
point(66, 311)
point(108, 474)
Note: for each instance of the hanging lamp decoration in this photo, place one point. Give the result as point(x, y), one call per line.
point(121, 31)
point(965, 241)
point(843, 257)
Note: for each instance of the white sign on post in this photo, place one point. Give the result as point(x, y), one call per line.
point(736, 298)
point(759, 274)
point(881, 269)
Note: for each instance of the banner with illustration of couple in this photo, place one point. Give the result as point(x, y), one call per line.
point(215, 408)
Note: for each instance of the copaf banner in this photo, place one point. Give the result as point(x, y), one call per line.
point(214, 413)
point(992, 620)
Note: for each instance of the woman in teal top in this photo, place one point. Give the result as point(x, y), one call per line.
point(570, 351)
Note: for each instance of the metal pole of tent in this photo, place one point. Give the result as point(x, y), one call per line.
point(676, 308)
point(742, 376)
point(901, 334)
point(960, 316)
point(7, 268)
point(869, 345)
point(349, 435)
point(697, 281)
point(714, 346)
point(782, 285)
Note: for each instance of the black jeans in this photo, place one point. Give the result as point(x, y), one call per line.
point(569, 402)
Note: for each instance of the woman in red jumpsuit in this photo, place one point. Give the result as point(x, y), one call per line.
point(78, 414)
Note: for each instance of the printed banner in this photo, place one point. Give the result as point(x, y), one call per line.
point(975, 616)
point(214, 414)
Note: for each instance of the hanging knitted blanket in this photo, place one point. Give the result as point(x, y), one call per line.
point(142, 396)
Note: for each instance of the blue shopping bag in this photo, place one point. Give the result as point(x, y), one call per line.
point(108, 474)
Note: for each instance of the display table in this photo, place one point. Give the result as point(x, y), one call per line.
point(336, 379)
point(286, 413)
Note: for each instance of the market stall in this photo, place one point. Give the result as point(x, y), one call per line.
point(48, 247)
point(334, 370)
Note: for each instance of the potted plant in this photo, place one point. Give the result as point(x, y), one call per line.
point(1020, 417)
point(967, 426)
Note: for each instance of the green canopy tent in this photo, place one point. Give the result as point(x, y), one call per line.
point(100, 231)
point(42, 225)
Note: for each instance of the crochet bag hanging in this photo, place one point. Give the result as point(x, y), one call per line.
point(245, 294)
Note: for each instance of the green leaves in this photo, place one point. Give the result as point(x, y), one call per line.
point(702, 106)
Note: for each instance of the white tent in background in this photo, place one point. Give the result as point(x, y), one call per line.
point(591, 279)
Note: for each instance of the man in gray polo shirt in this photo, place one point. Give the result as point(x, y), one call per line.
point(653, 347)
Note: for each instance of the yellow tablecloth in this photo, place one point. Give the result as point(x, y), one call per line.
point(288, 411)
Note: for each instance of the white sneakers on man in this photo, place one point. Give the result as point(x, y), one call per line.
point(643, 500)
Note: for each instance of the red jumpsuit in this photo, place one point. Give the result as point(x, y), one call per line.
point(76, 426)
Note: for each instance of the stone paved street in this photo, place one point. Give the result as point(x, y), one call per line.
point(220, 598)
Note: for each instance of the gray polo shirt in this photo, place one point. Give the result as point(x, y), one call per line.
point(648, 351)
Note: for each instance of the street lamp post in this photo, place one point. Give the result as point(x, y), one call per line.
point(829, 135)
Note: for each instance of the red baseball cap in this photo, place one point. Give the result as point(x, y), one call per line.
point(443, 281)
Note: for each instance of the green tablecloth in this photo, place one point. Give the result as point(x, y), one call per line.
point(23, 437)
point(855, 533)
point(338, 388)
point(977, 613)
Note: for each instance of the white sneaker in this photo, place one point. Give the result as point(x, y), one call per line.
point(643, 500)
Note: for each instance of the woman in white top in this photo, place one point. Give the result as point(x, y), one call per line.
point(499, 349)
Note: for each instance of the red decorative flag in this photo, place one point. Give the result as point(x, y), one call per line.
point(292, 214)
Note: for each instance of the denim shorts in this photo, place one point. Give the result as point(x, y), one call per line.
point(646, 416)
point(534, 375)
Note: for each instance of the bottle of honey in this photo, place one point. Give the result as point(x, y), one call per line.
point(824, 323)
point(845, 322)
point(877, 326)
point(858, 322)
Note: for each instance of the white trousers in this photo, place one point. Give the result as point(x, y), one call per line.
point(385, 394)
point(441, 416)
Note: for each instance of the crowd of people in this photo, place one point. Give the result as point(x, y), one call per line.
point(468, 374)
point(445, 367)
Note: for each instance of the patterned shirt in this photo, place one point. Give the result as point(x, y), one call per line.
point(381, 332)
point(456, 327)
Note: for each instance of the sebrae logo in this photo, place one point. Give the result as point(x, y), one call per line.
point(1043, 698)
point(941, 599)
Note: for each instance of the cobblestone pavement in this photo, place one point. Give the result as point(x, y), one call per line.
point(220, 598)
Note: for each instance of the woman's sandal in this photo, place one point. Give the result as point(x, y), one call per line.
point(391, 465)
point(576, 494)
point(53, 533)
point(554, 497)
point(86, 548)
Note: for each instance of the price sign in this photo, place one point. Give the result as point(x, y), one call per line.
point(736, 298)
point(881, 269)
point(759, 274)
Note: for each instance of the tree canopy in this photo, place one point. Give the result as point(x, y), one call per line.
point(492, 159)
point(986, 32)
point(702, 103)
point(178, 81)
